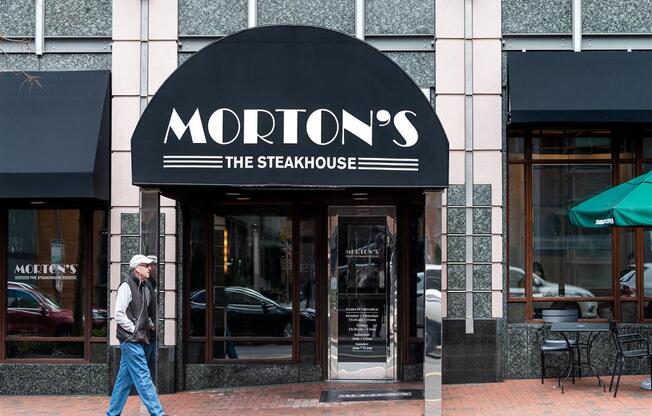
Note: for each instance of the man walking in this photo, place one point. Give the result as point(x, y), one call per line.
point(135, 321)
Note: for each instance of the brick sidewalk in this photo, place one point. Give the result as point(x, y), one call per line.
point(514, 397)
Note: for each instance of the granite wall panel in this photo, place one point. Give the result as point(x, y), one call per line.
point(456, 220)
point(536, 16)
point(333, 14)
point(400, 16)
point(522, 342)
point(212, 17)
point(78, 18)
point(420, 66)
point(456, 195)
point(16, 18)
point(54, 379)
point(75, 62)
point(617, 16)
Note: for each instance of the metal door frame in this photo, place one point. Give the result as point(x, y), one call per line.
point(362, 371)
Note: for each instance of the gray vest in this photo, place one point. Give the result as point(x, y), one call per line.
point(137, 311)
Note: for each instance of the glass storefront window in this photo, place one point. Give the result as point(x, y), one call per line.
point(307, 276)
point(197, 281)
point(252, 275)
point(53, 257)
point(554, 170)
point(100, 274)
point(44, 274)
point(516, 203)
point(256, 300)
point(567, 260)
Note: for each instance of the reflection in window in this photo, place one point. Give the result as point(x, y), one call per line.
point(52, 255)
point(516, 203)
point(44, 272)
point(554, 170)
point(252, 283)
point(568, 260)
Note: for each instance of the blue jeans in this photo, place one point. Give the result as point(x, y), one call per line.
point(133, 369)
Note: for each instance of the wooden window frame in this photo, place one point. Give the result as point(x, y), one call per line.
point(618, 134)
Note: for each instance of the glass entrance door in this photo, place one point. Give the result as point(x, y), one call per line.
point(362, 295)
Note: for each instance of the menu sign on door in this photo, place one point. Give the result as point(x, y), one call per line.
point(362, 295)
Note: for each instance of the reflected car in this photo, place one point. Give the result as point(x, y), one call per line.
point(542, 288)
point(32, 312)
point(432, 305)
point(249, 313)
point(628, 280)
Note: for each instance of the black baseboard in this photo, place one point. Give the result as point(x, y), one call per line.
point(471, 358)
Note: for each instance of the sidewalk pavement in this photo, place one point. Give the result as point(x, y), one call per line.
point(513, 397)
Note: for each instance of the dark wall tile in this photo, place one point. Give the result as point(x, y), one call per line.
point(456, 220)
point(456, 248)
point(482, 305)
point(481, 220)
point(456, 195)
point(481, 277)
point(456, 276)
point(456, 305)
point(481, 249)
point(129, 224)
point(481, 195)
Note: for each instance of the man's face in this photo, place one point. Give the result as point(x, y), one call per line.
point(142, 271)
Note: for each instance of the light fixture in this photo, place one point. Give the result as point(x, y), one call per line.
point(243, 198)
point(37, 202)
point(233, 193)
point(361, 199)
point(359, 194)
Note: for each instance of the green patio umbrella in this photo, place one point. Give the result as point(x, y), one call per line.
point(626, 205)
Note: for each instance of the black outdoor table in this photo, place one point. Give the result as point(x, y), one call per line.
point(593, 329)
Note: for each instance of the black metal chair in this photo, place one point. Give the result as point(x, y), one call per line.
point(558, 345)
point(628, 346)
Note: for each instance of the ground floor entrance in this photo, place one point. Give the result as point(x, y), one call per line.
point(362, 293)
point(322, 281)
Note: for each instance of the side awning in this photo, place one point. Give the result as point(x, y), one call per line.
point(55, 135)
point(586, 87)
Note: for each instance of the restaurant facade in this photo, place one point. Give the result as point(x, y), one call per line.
point(343, 190)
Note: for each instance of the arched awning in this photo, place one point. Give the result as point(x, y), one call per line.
point(290, 106)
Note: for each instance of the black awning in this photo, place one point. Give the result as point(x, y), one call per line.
point(289, 106)
point(586, 87)
point(54, 135)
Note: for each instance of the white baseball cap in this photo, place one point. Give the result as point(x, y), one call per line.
point(139, 259)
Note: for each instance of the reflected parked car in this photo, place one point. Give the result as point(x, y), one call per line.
point(628, 280)
point(32, 312)
point(249, 313)
point(542, 288)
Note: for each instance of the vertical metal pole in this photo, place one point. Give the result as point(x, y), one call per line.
point(359, 19)
point(149, 245)
point(39, 26)
point(252, 13)
point(432, 291)
point(468, 159)
point(577, 25)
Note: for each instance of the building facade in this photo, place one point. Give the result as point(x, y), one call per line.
point(501, 248)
